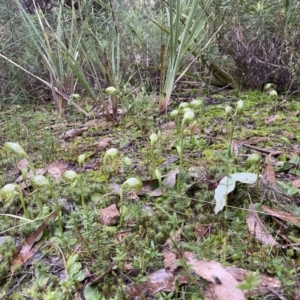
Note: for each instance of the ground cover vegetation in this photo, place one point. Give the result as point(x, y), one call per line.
point(149, 149)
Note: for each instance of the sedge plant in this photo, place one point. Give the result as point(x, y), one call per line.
point(187, 30)
point(49, 42)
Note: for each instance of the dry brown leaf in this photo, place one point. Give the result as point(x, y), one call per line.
point(208, 130)
point(121, 236)
point(174, 238)
point(272, 119)
point(268, 175)
point(266, 283)
point(96, 123)
point(252, 140)
point(296, 183)
point(288, 134)
point(159, 281)
point(23, 163)
point(167, 126)
point(27, 250)
point(295, 151)
point(57, 169)
point(257, 228)
point(151, 186)
point(128, 267)
point(170, 160)
point(109, 215)
point(262, 150)
point(201, 231)
point(255, 140)
point(222, 284)
point(235, 148)
point(74, 132)
point(170, 261)
point(195, 130)
point(281, 215)
point(104, 143)
point(169, 179)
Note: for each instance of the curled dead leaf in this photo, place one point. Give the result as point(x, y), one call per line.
point(223, 285)
point(258, 229)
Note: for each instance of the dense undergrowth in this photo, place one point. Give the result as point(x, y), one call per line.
point(154, 91)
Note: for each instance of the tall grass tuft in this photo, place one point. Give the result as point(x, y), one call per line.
point(188, 35)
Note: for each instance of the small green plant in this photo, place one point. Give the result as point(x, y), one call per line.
point(111, 91)
point(81, 159)
point(188, 117)
point(270, 90)
point(9, 191)
point(250, 282)
point(40, 181)
point(132, 183)
point(150, 253)
point(252, 160)
point(119, 259)
point(16, 148)
point(174, 115)
point(128, 163)
point(112, 154)
point(158, 176)
point(238, 112)
point(153, 141)
point(75, 274)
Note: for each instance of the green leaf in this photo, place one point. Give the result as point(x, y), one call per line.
point(294, 239)
point(251, 160)
point(74, 268)
point(79, 276)
point(92, 293)
point(71, 260)
point(295, 160)
point(289, 190)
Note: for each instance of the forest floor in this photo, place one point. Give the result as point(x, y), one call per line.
point(176, 231)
